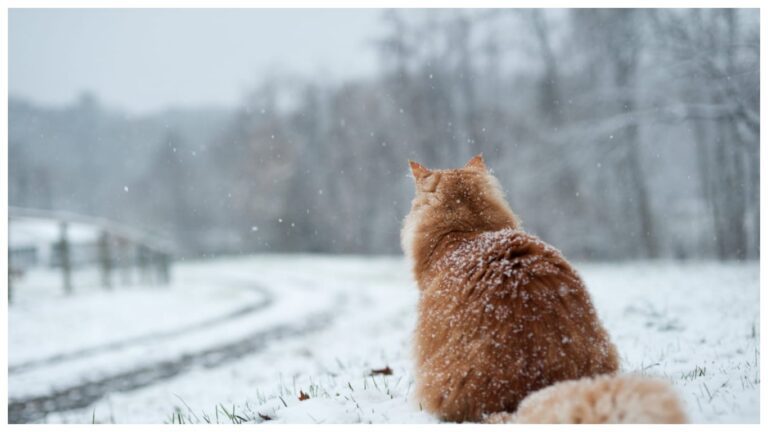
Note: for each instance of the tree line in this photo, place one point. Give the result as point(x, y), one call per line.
point(616, 133)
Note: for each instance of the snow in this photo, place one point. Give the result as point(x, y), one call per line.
point(695, 323)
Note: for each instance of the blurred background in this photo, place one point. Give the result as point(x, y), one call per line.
point(205, 204)
point(616, 133)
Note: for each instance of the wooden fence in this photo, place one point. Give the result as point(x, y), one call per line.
point(117, 248)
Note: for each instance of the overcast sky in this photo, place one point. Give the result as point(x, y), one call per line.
point(144, 59)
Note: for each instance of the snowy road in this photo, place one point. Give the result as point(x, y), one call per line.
point(78, 377)
point(261, 303)
point(84, 394)
point(247, 335)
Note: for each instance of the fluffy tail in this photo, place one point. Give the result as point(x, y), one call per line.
point(602, 399)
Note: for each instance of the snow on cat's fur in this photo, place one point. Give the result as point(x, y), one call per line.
point(501, 313)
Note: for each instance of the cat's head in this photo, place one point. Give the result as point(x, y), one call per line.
point(467, 199)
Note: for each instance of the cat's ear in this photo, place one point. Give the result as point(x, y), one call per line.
point(418, 170)
point(476, 162)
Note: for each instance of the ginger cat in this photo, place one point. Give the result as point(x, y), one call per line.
point(501, 313)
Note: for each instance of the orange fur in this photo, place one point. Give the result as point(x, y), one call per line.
point(501, 313)
point(603, 399)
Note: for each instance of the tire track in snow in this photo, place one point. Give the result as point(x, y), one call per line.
point(29, 410)
point(266, 301)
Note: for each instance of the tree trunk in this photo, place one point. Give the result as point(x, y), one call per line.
point(625, 75)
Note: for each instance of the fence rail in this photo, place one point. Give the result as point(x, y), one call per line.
point(115, 246)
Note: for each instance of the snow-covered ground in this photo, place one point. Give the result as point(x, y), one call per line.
point(240, 339)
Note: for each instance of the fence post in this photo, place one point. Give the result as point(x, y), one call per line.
point(126, 260)
point(66, 264)
point(10, 283)
point(143, 261)
point(105, 260)
point(163, 267)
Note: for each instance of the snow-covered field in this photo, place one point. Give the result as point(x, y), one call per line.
point(240, 339)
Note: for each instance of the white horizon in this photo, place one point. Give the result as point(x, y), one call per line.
point(147, 60)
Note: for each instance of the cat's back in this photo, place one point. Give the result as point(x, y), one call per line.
point(505, 259)
point(498, 284)
point(506, 281)
point(505, 315)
